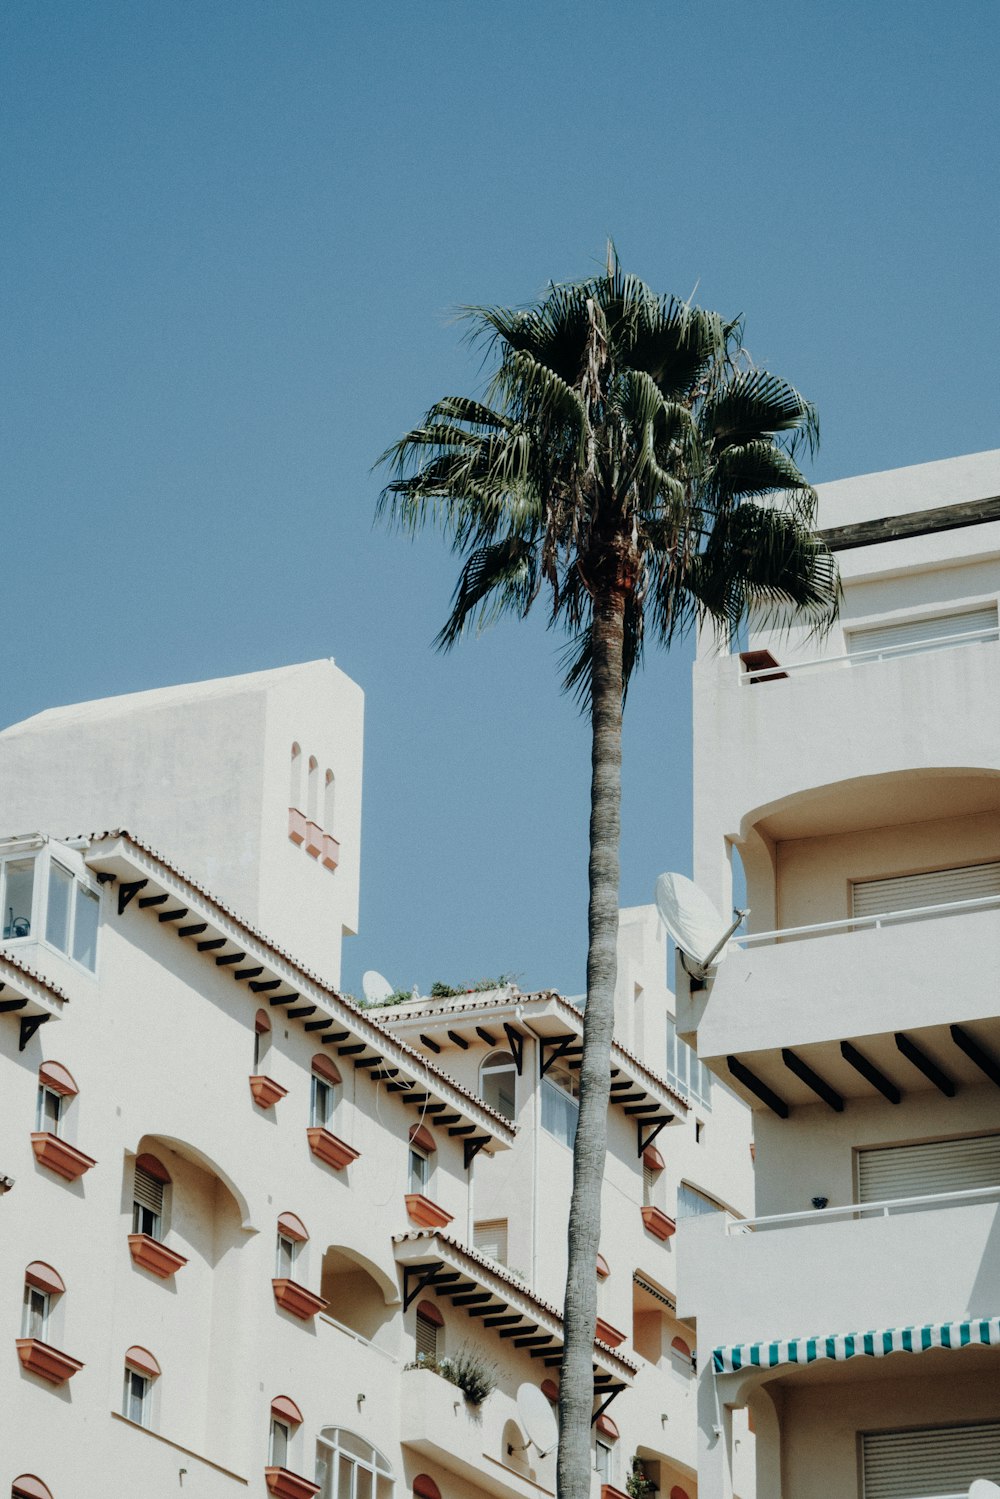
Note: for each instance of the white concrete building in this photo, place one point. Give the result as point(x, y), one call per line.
point(237, 1208)
point(857, 1315)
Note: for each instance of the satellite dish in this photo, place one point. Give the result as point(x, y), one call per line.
point(984, 1489)
point(375, 987)
point(693, 922)
point(536, 1416)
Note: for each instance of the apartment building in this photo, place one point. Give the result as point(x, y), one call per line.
point(251, 1229)
point(856, 1315)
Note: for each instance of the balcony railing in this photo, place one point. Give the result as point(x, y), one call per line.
point(864, 1209)
point(859, 923)
point(875, 653)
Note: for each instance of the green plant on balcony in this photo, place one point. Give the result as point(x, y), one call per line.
point(637, 1485)
point(474, 1375)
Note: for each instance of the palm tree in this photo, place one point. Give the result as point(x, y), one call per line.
point(629, 462)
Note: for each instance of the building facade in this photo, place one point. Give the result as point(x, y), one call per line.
point(256, 1237)
point(857, 778)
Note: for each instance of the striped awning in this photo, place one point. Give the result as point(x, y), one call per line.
point(982, 1332)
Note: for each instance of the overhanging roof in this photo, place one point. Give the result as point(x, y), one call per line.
point(484, 1289)
point(27, 996)
point(149, 883)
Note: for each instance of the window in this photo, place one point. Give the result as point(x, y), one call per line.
point(422, 1149)
point(691, 1203)
point(935, 632)
point(325, 1092)
point(498, 1083)
point(277, 1454)
point(261, 1038)
point(684, 1069)
point(901, 1171)
point(560, 1110)
point(420, 1169)
point(649, 1175)
point(602, 1459)
point(295, 779)
point(55, 1089)
point(147, 1196)
point(18, 892)
point(935, 1461)
point(292, 1234)
point(347, 1467)
point(329, 799)
point(141, 1370)
point(937, 887)
point(429, 1320)
point(35, 1319)
point(490, 1238)
point(71, 917)
point(681, 1356)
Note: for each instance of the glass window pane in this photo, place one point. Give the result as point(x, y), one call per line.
point(350, 1443)
point(383, 1487)
point(57, 918)
point(20, 880)
point(363, 1483)
point(345, 1472)
point(49, 1110)
point(559, 1113)
point(85, 927)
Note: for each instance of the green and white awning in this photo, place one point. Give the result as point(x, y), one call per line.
point(982, 1332)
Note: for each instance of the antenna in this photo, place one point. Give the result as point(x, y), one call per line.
point(375, 987)
point(535, 1415)
point(693, 922)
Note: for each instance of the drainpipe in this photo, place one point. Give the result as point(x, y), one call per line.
point(536, 1126)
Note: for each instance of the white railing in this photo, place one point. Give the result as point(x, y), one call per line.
point(358, 1337)
point(863, 1209)
point(877, 919)
point(753, 674)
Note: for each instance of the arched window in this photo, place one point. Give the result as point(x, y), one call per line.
point(42, 1288)
point(312, 790)
point(498, 1083)
point(149, 1180)
point(681, 1356)
point(286, 1418)
point(347, 1467)
point(292, 1234)
point(55, 1089)
point(325, 1091)
point(261, 1037)
point(29, 1487)
point(295, 779)
point(422, 1149)
point(141, 1372)
point(603, 1268)
point(429, 1321)
point(329, 800)
point(551, 1391)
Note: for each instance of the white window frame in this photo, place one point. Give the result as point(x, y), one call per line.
point(286, 1250)
point(53, 1126)
point(322, 1101)
point(419, 1169)
point(81, 886)
point(604, 1468)
point(499, 1069)
point(20, 856)
point(329, 1451)
point(137, 1397)
point(564, 1105)
point(140, 1210)
point(279, 1442)
point(35, 1313)
point(706, 1204)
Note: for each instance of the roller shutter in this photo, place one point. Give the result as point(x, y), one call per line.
point(147, 1190)
point(913, 633)
point(938, 887)
point(935, 1463)
point(923, 1170)
point(491, 1239)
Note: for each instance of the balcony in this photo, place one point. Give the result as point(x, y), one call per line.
point(877, 1265)
point(800, 725)
point(815, 984)
point(470, 1441)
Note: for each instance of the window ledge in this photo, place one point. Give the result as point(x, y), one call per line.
point(265, 1090)
point(658, 1224)
point(287, 1485)
point(608, 1334)
point(154, 1256)
point(608, 1491)
point(425, 1212)
point(292, 1297)
point(329, 1149)
point(146, 1431)
point(47, 1362)
point(59, 1156)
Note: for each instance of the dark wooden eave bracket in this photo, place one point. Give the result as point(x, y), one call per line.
point(868, 533)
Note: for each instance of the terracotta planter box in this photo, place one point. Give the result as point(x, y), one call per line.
point(331, 851)
point(45, 1361)
point(329, 1149)
point(59, 1156)
point(314, 839)
point(287, 1485)
point(296, 825)
point(608, 1491)
point(426, 1213)
point(297, 1300)
point(154, 1256)
point(265, 1090)
point(659, 1225)
point(608, 1334)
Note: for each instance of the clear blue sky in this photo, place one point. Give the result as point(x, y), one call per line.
point(233, 234)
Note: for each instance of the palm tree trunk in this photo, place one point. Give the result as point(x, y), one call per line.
point(576, 1393)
